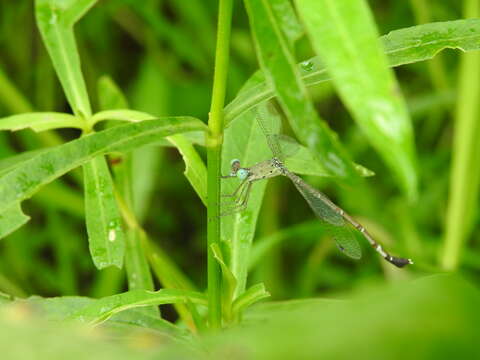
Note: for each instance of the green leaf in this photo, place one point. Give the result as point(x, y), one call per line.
point(344, 33)
point(57, 309)
point(11, 219)
point(12, 162)
point(55, 19)
point(254, 294)
point(245, 141)
point(122, 115)
point(228, 285)
point(305, 163)
point(281, 72)
point(195, 170)
point(24, 180)
point(104, 308)
point(403, 46)
point(104, 224)
point(286, 17)
point(134, 318)
point(40, 121)
point(423, 42)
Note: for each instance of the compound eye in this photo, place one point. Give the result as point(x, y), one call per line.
point(235, 163)
point(234, 166)
point(242, 174)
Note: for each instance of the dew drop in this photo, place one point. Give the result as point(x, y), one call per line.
point(112, 235)
point(307, 65)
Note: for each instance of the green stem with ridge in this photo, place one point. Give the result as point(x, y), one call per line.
point(214, 151)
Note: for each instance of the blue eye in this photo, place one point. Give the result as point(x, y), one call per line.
point(242, 174)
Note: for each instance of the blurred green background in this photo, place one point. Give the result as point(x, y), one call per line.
point(160, 53)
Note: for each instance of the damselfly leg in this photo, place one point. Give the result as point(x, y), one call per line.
point(241, 202)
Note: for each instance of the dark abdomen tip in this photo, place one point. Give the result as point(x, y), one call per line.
point(399, 262)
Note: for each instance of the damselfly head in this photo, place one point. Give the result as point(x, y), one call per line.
point(234, 166)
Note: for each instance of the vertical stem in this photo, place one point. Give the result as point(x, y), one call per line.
point(465, 171)
point(214, 148)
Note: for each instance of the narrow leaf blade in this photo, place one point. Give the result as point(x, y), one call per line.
point(25, 179)
point(104, 308)
point(195, 170)
point(55, 19)
point(254, 294)
point(278, 65)
point(39, 121)
point(344, 33)
point(104, 224)
point(402, 46)
point(122, 115)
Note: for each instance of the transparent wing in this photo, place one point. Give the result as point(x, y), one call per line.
point(288, 145)
point(346, 241)
point(272, 139)
point(317, 201)
point(342, 234)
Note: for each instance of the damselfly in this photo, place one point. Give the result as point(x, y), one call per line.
point(335, 219)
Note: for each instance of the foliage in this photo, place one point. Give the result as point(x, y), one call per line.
point(111, 189)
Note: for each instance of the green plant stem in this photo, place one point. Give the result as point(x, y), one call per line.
point(465, 170)
point(214, 150)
